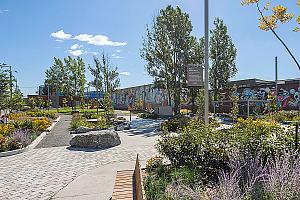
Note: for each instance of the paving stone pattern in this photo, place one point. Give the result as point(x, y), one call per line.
point(40, 173)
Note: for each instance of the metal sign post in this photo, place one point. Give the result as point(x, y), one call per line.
point(194, 75)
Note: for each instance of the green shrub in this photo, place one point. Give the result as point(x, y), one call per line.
point(198, 146)
point(148, 115)
point(160, 176)
point(41, 113)
point(78, 120)
point(282, 116)
point(175, 124)
point(178, 124)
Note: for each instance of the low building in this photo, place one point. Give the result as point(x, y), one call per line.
point(248, 89)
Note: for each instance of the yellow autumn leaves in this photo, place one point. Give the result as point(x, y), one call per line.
point(279, 15)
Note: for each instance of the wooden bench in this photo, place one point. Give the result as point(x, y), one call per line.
point(129, 184)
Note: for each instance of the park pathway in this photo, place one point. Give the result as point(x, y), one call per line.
point(59, 135)
point(41, 173)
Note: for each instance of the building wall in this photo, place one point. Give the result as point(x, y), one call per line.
point(149, 96)
point(288, 95)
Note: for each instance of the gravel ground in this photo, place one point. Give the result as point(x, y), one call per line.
point(59, 135)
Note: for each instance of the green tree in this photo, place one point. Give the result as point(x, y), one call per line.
point(222, 55)
point(56, 76)
point(67, 77)
point(76, 79)
point(17, 101)
point(105, 79)
point(168, 41)
point(4, 90)
point(234, 97)
point(105, 75)
point(31, 102)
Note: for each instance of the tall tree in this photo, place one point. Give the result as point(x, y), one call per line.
point(168, 41)
point(270, 22)
point(76, 68)
point(17, 101)
point(105, 79)
point(56, 76)
point(67, 77)
point(222, 55)
point(4, 90)
point(105, 75)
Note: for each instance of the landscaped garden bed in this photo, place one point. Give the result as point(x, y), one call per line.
point(23, 128)
point(82, 120)
point(255, 159)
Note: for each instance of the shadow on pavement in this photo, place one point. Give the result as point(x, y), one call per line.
point(86, 149)
point(144, 127)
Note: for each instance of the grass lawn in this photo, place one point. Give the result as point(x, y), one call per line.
point(68, 110)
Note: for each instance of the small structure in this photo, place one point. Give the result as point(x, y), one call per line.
point(129, 184)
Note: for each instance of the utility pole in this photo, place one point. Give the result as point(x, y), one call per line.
point(276, 82)
point(206, 92)
point(48, 88)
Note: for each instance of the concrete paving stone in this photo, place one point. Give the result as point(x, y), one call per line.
point(43, 172)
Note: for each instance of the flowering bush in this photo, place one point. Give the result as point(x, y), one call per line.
point(19, 133)
point(197, 145)
point(41, 113)
point(41, 124)
point(153, 163)
point(6, 129)
point(15, 116)
point(3, 143)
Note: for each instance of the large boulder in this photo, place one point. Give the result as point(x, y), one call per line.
point(96, 140)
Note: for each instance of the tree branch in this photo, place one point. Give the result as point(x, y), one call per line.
point(277, 36)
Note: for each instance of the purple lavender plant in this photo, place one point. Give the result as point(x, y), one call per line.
point(284, 177)
point(22, 136)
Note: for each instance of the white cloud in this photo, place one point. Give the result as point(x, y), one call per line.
point(118, 51)
point(125, 73)
point(77, 52)
point(98, 40)
point(61, 35)
point(115, 56)
point(76, 46)
point(3, 11)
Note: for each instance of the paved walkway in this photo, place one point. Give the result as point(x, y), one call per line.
point(43, 172)
point(59, 135)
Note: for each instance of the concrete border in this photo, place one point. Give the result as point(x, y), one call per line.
point(33, 144)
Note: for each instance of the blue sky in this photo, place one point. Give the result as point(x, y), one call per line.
point(35, 31)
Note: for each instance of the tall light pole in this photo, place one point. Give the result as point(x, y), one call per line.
point(206, 92)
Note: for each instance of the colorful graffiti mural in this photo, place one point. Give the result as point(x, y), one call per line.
point(286, 98)
point(146, 94)
point(289, 98)
point(288, 95)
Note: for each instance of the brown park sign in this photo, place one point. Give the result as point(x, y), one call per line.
point(194, 75)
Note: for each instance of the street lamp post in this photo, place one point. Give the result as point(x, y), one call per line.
point(206, 92)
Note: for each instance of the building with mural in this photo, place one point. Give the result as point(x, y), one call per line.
point(247, 90)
